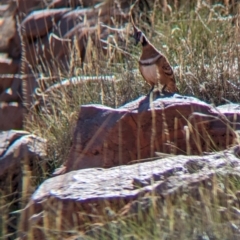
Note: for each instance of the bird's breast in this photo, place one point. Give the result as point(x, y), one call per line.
point(150, 73)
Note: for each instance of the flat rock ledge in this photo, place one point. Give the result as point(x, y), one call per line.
point(107, 137)
point(67, 202)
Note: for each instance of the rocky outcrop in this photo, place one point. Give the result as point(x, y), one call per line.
point(20, 159)
point(12, 109)
point(30, 46)
point(41, 35)
point(106, 137)
point(64, 204)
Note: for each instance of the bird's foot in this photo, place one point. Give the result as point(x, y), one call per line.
point(167, 94)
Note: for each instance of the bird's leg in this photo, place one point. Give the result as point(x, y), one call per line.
point(163, 89)
point(166, 93)
point(151, 90)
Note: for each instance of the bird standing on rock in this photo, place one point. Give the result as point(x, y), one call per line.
point(153, 65)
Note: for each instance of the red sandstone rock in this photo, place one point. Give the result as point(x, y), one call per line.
point(6, 81)
point(9, 66)
point(17, 145)
point(38, 23)
point(70, 200)
point(106, 137)
point(11, 116)
point(72, 3)
point(16, 93)
point(10, 88)
point(15, 88)
point(26, 6)
point(20, 158)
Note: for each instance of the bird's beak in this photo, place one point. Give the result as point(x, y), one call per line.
point(135, 30)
